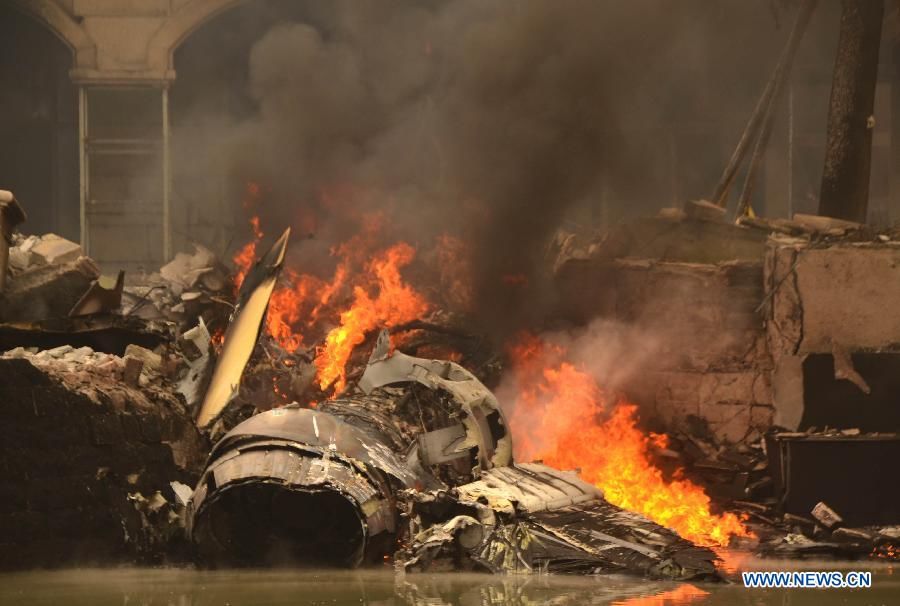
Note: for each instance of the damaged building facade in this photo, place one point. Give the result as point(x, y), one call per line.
point(102, 96)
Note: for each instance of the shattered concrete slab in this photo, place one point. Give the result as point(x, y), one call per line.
point(55, 250)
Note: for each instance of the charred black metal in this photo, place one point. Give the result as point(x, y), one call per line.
point(419, 456)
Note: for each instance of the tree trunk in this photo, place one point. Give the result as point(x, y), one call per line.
point(848, 151)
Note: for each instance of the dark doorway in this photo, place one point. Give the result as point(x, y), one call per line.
point(840, 404)
point(38, 125)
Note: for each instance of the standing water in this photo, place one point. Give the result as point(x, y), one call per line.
point(187, 587)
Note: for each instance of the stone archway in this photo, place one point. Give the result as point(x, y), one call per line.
point(179, 26)
point(64, 27)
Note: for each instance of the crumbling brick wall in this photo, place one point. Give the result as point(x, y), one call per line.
point(710, 357)
point(79, 453)
point(827, 297)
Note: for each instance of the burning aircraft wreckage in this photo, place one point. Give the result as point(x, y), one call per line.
point(191, 423)
point(414, 464)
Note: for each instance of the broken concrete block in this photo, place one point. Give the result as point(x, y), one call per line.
point(58, 352)
point(826, 515)
point(185, 269)
point(853, 535)
point(104, 295)
point(28, 244)
point(19, 259)
point(54, 250)
point(79, 355)
point(151, 360)
point(132, 372)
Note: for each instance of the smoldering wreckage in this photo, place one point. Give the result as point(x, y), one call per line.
point(160, 422)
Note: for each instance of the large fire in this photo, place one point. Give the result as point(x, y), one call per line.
point(365, 292)
point(561, 416)
point(395, 302)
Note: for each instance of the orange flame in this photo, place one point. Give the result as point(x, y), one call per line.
point(560, 415)
point(683, 594)
point(246, 256)
point(396, 302)
point(243, 261)
point(365, 292)
point(888, 551)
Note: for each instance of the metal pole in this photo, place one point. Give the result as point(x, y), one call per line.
point(167, 179)
point(790, 150)
point(83, 189)
point(760, 112)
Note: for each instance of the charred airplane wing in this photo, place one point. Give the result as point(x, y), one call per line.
point(243, 330)
point(532, 518)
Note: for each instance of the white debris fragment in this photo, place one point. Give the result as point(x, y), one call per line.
point(53, 250)
point(182, 492)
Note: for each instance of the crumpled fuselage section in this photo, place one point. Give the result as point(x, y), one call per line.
point(414, 465)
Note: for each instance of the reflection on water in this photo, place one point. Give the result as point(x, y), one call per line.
point(184, 587)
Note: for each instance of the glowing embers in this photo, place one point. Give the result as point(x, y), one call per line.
point(562, 417)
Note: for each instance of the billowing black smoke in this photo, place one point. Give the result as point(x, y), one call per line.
point(488, 120)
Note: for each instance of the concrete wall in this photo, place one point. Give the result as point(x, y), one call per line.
point(823, 297)
point(710, 356)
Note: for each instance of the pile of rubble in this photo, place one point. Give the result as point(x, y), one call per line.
point(187, 288)
point(47, 276)
point(744, 478)
point(82, 450)
point(821, 533)
point(115, 390)
point(97, 443)
point(728, 471)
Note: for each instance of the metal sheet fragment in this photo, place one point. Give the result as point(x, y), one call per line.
point(243, 331)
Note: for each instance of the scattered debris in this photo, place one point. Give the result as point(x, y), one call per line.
point(428, 436)
point(104, 295)
point(826, 515)
point(412, 462)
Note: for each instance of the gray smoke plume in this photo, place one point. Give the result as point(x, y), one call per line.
point(485, 119)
